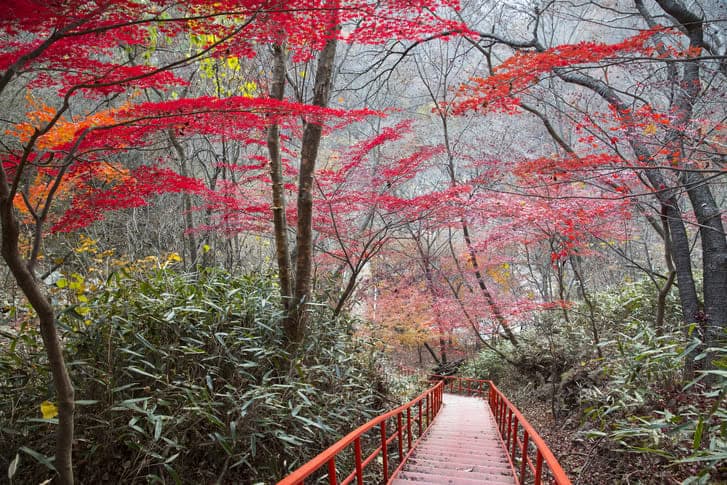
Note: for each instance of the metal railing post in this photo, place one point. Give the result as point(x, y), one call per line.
point(524, 456)
point(514, 441)
point(420, 419)
point(538, 467)
point(509, 427)
point(408, 429)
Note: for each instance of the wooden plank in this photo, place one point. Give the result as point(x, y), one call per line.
point(461, 447)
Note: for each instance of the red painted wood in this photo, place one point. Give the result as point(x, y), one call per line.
point(461, 447)
point(354, 437)
point(473, 440)
point(544, 467)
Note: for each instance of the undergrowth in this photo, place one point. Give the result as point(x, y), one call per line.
point(183, 378)
point(631, 412)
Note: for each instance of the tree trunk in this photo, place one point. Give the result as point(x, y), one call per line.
point(442, 347)
point(680, 246)
point(714, 260)
point(187, 200)
point(591, 310)
point(280, 224)
point(347, 292)
point(494, 307)
point(431, 352)
point(711, 229)
point(297, 316)
point(41, 304)
point(664, 290)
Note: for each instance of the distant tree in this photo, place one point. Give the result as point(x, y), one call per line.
point(661, 128)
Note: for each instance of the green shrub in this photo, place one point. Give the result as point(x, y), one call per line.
point(633, 400)
point(486, 365)
point(646, 407)
point(183, 378)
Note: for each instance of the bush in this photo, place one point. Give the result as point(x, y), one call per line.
point(485, 365)
point(645, 406)
point(633, 400)
point(184, 378)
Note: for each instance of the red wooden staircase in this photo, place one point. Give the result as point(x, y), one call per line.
point(462, 446)
point(452, 437)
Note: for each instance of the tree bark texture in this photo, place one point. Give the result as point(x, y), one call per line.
point(190, 239)
point(714, 262)
point(280, 223)
point(46, 316)
point(713, 319)
point(297, 315)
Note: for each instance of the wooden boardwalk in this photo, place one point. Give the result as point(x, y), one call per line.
point(441, 438)
point(462, 446)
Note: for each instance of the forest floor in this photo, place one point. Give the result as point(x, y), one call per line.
point(589, 461)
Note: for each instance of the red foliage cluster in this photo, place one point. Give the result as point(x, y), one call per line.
point(566, 168)
point(523, 69)
point(80, 31)
point(89, 206)
point(81, 47)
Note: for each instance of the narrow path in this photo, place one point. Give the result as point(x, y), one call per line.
point(461, 447)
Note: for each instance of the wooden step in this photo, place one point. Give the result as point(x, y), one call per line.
point(462, 447)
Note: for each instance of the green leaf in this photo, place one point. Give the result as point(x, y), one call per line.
point(157, 428)
point(13, 468)
point(705, 457)
point(698, 434)
point(293, 440)
point(40, 458)
point(136, 370)
point(173, 473)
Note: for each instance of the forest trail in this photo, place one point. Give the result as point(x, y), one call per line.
point(462, 446)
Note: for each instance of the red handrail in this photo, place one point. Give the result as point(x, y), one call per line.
point(428, 404)
point(516, 433)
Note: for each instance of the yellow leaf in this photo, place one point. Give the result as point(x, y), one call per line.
point(650, 129)
point(174, 258)
point(48, 410)
point(233, 63)
point(248, 89)
point(62, 283)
